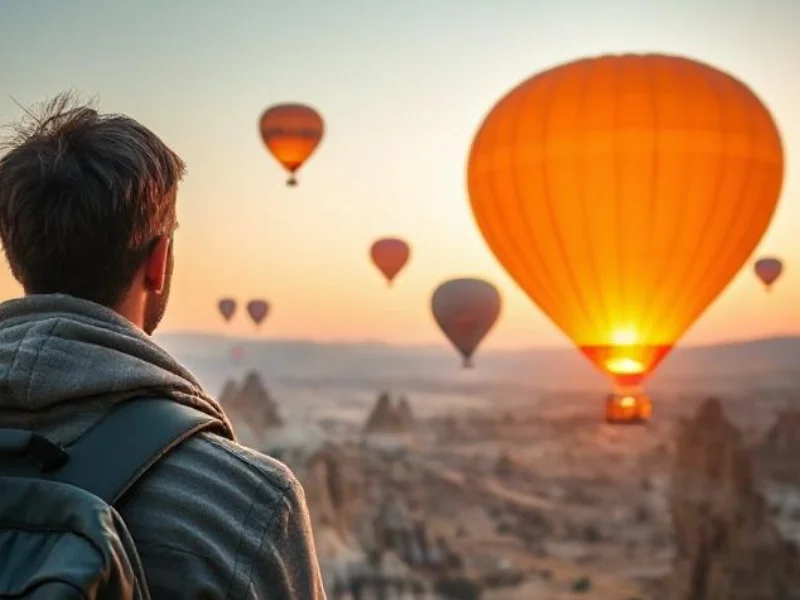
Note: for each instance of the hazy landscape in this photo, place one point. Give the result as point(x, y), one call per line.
point(428, 481)
point(324, 378)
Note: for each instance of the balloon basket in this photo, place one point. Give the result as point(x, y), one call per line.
point(628, 409)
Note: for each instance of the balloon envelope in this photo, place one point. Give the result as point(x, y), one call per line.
point(622, 193)
point(227, 308)
point(465, 310)
point(768, 270)
point(291, 133)
point(258, 310)
point(390, 255)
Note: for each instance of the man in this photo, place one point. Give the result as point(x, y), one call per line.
point(87, 216)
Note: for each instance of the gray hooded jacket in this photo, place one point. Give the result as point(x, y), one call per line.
point(213, 519)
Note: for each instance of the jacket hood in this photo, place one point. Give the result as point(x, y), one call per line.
point(64, 359)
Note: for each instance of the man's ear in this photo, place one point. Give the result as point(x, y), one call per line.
point(155, 272)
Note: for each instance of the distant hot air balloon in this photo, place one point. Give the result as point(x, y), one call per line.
point(291, 133)
point(390, 255)
point(258, 310)
point(227, 308)
point(622, 193)
point(465, 310)
point(768, 270)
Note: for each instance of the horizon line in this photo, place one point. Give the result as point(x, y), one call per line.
point(435, 346)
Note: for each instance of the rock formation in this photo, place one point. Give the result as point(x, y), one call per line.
point(388, 417)
point(229, 395)
point(727, 547)
point(382, 414)
point(254, 395)
point(779, 452)
point(505, 466)
point(251, 408)
point(380, 577)
point(404, 414)
point(352, 570)
point(332, 484)
point(397, 531)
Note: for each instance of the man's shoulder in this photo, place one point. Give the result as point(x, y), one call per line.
point(232, 460)
point(210, 478)
point(210, 506)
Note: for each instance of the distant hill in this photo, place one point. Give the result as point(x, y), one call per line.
point(370, 366)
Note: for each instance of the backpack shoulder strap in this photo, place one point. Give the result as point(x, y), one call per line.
point(112, 456)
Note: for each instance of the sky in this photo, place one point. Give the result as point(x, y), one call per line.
point(403, 86)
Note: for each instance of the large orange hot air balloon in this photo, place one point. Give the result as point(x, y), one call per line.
point(465, 310)
point(768, 270)
point(622, 193)
point(390, 255)
point(291, 132)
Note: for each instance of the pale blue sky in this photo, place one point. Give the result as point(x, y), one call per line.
point(402, 85)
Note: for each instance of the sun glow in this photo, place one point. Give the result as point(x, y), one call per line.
point(624, 366)
point(624, 337)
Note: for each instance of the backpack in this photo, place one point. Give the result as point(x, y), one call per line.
point(60, 536)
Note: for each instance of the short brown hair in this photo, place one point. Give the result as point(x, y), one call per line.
point(82, 198)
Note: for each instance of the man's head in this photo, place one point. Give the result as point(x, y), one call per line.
point(87, 208)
